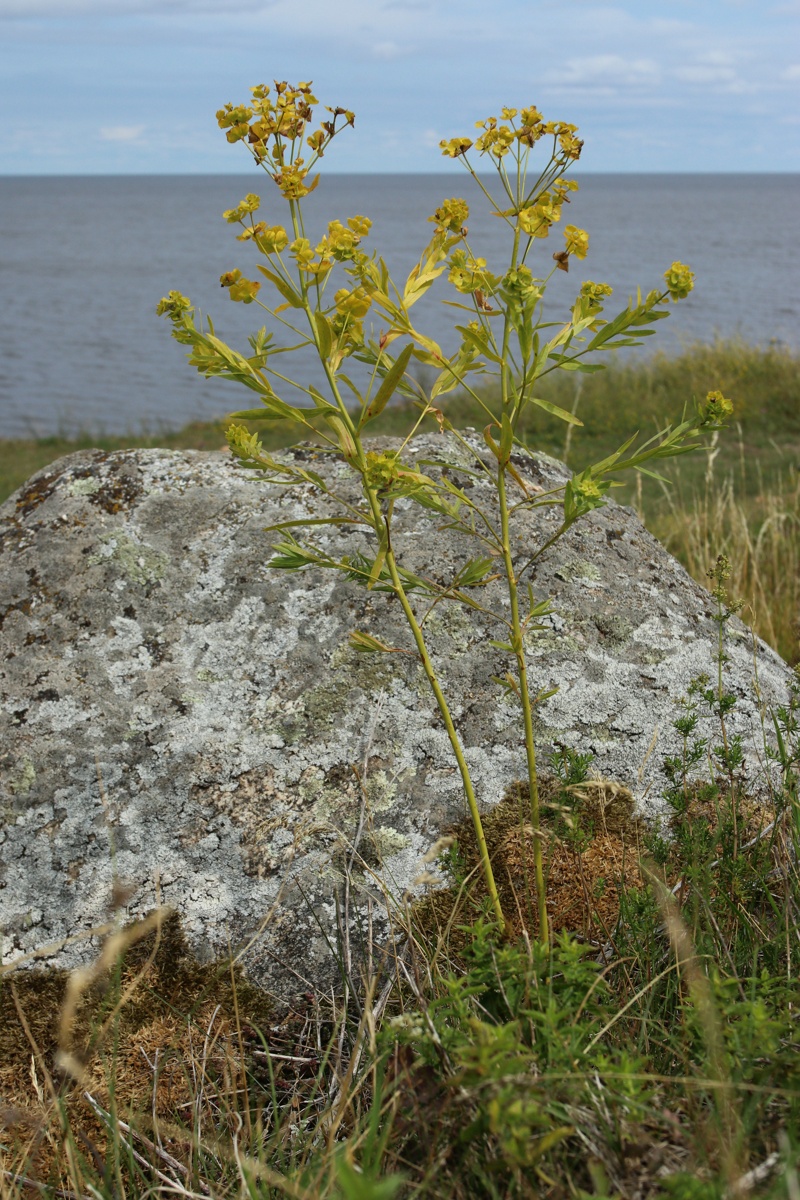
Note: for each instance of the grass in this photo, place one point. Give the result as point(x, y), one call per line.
point(653, 1051)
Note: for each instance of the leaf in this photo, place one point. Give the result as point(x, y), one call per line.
point(324, 334)
point(508, 682)
point(480, 341)
point(391, 380)
point(368, 644)
point(313, 521)
point(290, 556)
point(502, 646)
point(377, 566)
point(562, 413)
point(290, 294)
point(345, 438)
point(274, 410)
point(474, 572)
point(320, 401)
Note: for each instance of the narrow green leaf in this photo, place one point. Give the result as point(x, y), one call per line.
point(391, 380)
point(290, 294)
point(368, 644)
point(313, 521)
point(324, 333)
point(561, 413)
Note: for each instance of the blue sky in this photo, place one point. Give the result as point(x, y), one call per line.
point(130, 86)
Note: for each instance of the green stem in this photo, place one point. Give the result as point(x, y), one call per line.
point(379, 521)
point(517, 641)
point(455, 742)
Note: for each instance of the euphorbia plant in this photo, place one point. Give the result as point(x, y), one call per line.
point(504, 333)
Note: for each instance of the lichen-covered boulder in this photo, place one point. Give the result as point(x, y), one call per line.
point(183, 725)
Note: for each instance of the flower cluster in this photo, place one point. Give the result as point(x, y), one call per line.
point(679, 280)
point(451, 216)
point(469, 274)
point(577, 241)
point(519, 285)
point(240, 289)
point(173, 307)
point(340, 242)
point(717, 407)
point(535, 219)
point(270, 239)
point(497, 138)
point(594, 293)
point(382, 469)
point(250, 204)
point(355, 303)
point(274, 129)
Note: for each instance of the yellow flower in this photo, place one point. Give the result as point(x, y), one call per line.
point(292, 180)
point(531, 116)
point(570, 145)
point(360, 225)
point(301, 251)
point(241, 290)
point(242, 442)
point(469, 274)
point(595, 291)
point(508, 114)
point(250, 204)
point(382, 469)
point(536, 219)
point(173, 306)
point(271, 238)
point(519, 283)
point(455, 147)
point(496, 141)
point(355, 303)
point(451, 215)
point(577, 241)
point(717, 406)
point(231, 116)
point(679, 280)
point(341, 241)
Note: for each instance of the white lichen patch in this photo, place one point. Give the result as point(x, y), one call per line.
point(139, 562)
point(84, 487)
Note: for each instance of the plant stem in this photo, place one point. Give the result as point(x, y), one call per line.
point(455, 742)
point(518, 643)
point(380, 519)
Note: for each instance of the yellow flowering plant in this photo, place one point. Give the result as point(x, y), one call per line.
point(505, 332)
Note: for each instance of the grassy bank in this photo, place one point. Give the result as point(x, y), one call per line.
point(741, 498)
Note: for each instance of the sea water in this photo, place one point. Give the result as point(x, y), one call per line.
point(84, 261)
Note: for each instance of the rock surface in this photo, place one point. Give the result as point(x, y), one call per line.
point(180, 718)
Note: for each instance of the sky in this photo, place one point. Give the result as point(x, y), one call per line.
point(132, 86)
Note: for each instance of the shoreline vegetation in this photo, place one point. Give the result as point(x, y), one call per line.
point(741, 498)
point(651, 1051)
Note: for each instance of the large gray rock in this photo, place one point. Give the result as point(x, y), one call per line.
point(181, 718)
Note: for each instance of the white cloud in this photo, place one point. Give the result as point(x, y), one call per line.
point(791, 73)
point(388, 51)
point(606, 70)
point(122, 133)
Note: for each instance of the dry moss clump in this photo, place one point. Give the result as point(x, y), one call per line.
point(591, 854)
point(143, 1040)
